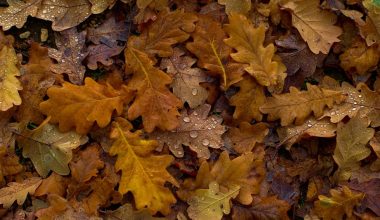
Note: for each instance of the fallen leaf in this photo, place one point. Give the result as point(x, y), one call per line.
point(359, 58)
point(87, 165)
point(298, 105)
point(98, 6)
point(197, 130)
point(80, 107)
point(341, 203)
point(70, 54)
point(186, 78)
point(211, 203)
point(236, 6)
point(17, 12)
point(143, 174)
point(248, 100)
point(212, 53)
point(266, 208)
point(18, 191)
point(316, 26)
point(49, 149)
point(244, 138)
point(371, 190)
point(264, 65)
point(9, 163)
point(9, 84)
point(126, 212)
point(351, 139)
point(109, 32)
point(54, 184)
point(154, 102)
point(291, 134)
point(102, 54)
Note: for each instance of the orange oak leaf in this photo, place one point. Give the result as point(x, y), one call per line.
point(213, 54)
point(80, 107)
point(154, 101)
point(54, 184)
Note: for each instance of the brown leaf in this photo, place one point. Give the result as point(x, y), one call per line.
point(185, 78)
point(244, 138)
point(197, 130)
point(371, 189)
point(18, 191)
point(109, 32)
point(87, 164)
point(266, 208)
point(17, 12)
point(54, 184)
point(70, 54)
point(102, 53)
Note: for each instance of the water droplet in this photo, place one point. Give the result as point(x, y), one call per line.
point(193, 134)
point(44, 11)
point(353, 109)
point(360, 96)
point(186, 119)
point(195, 113)
point(194, 91)
point(355, 103)
point(179, 153)
point(309, 125)
point(205, 142)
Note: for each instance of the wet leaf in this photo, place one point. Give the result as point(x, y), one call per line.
point(18, 191)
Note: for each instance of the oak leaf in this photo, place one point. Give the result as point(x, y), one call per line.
point(266, 208)
point(54, 184)
point(17, 12)
point(213, 54)
point(298, 105)
point(64, 14)
point(211, 203)
point(186, 79)
point(126, 212)
point(87, 164)
point(248, 41)
point(246, 171)
point(9, 163)
point(169, 28)
point(79, 107)
point(315, 25)
point(290, 135)
point(109, 32)
point(244, 138)
point(154, 101)
point(341, 203)
point(143, 174)
point(98, 6)
point(248, 100)
point(236, 6)
point(18, 191)
point(36, 79)
point(359, 58)
point(70, 54)
point(351, 139)
point(197, 130)
point(102, 54)
point(9, 84)
point(371, 30)
point(371, 189)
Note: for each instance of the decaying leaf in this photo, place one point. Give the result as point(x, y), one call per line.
point(98, 6)
point(9, 84)
point(197, 130)
point(298, 105)
point(316, 26)
point(248, 100)
point(236, 6)
point(18, 191)
point(351, 139)
point(211, 203)
point(154, 102)
point(213, 54)
point(244, 138)
point(341, 203)
point(289, 135)
point(80, 107)
point(143, 174)
point(371, 189)
point(248, 41)
point(109, 32)
point(49, 149)
point(70, 54)
point(186, 79)
point(266, 208)
point(17, 12)
point(126, 212)
point(103, 54)
point(246, 171)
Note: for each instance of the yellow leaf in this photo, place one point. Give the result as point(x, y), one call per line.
point(248, 41)
point(298, 105)
point(154, 101)
point(143, 174)
point(351, 147)
point(359, 58)
point(49, 149)
point(211, 203)
point(79, 107)
point(212, 53)
point(237, 6)
point(18, 191)
point(315, 25)
point(341, 203)
point(9, 84)
point(372, 22)
point(17, 12)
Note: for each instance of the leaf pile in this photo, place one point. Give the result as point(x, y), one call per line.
point(202, 109)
